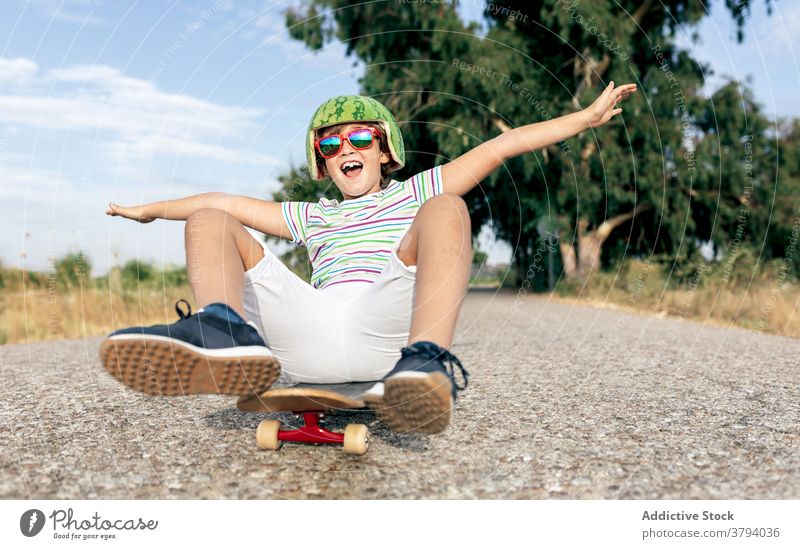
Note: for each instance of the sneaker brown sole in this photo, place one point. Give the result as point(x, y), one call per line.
point(420, 404)
point(161, 367)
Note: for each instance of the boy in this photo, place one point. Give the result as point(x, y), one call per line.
point(390, 267)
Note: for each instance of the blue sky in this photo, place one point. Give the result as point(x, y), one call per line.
point(141, 101)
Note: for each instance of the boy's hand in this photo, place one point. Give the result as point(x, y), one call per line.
point(604, 107)
point(136, 213)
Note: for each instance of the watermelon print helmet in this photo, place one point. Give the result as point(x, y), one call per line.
point(354, 108)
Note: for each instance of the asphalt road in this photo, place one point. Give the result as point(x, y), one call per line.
point(564, 402)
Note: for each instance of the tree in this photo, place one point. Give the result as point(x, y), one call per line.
point(134, 272)
point(626, 188)
point(297, 185)
point(479, 258)
point(736, 180)
point(784, 230)
point(72, 270)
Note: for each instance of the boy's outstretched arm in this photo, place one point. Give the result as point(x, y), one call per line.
point(261, 215)
point(462, 174)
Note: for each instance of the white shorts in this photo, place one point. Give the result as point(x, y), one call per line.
point(333, 335)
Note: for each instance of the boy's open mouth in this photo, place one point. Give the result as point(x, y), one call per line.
point(351, 168)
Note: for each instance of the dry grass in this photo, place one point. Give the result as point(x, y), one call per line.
point(763, 305)
point(760, 308)
point(42, 314)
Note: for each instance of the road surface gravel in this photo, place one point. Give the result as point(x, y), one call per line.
point(564, 401)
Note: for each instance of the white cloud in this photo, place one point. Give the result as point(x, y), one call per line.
point(28, 185)
point(69, 11)
point(145, 146)
point(16, 70)
point(24, 187)
point(94, 73)
point(267, 24)
point(143, 119)
point(274, 33)
point(778, 33)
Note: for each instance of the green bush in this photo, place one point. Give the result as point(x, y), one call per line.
point(296, 259)
point(736, 269)
point(174, 277)
point(135, 272)
point(72, 270)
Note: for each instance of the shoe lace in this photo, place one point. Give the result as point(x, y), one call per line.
point(181, 314)
point(448, 359)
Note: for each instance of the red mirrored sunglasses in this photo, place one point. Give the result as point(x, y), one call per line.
point(361, 138)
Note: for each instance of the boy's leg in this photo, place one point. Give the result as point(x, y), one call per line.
point(439, 244)
point(218, 252)
point(214, 350)
point(419, 393)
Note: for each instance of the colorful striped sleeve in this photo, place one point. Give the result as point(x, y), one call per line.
point(296, 216)
point(425, 184)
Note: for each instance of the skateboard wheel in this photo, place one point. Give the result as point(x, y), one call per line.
point(267, 434)
point(356, 439)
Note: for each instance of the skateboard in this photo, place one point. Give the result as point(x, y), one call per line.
point(311, 401)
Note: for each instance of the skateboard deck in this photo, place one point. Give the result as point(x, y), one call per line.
point(307, 397)
point(312, 401)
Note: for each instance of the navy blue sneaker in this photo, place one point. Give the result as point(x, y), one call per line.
point(419, 393)
point(214, 351)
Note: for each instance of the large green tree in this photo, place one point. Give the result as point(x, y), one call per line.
point(736, 176)
point(628, 187)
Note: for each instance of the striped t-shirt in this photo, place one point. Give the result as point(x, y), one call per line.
point(349, 242)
